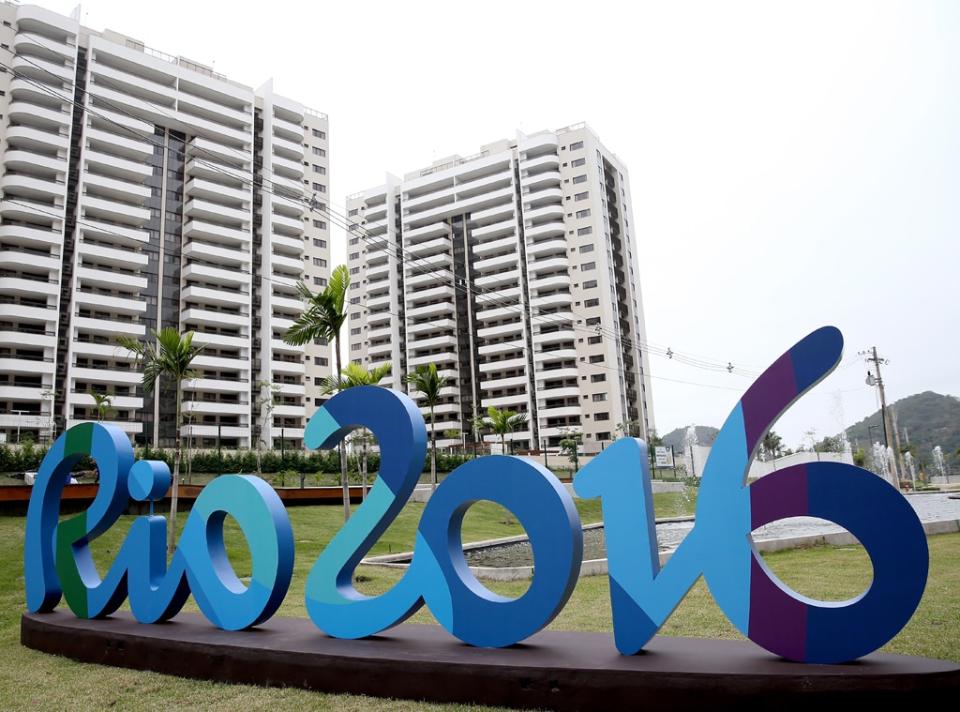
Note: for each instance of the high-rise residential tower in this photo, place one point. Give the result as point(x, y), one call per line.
point(514, 270)
point(142, 191)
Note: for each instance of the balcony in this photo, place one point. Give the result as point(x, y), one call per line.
point(510, 276)
point(23, 235)
point(217, 233)
point(119, 305)
point(116, 188)
point(563, 354)
point(216, 254)
point(507, 364)
point(429, 326)
point(29, 287)
point(218, 192)
point(33, 139)
point(545, 248)
point(430, 310)
point(554, 337)
point(116, 166)
point(20, 185)
point(103, 209)
point(196, 315)
point(116, 234)
point(424, 295)
point(500, 330)
point(12, 258)
point(549, 162)
point(205, 210)
point(109, 327)
point(494, 384)
point(427, 231)
point(295, 368)
point(206, 273)
point(516, 399)
point(483, 249)
point(131, 148)
point(501, 347)
point(203, 407)
point(547, 213)
point(543, 230)
point(511, 259)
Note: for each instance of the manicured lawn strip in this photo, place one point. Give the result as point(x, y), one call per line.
point(31, 680)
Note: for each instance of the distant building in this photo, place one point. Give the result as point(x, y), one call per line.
point(142, 191)
point(514, 271)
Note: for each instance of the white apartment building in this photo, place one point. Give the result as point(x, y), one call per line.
point(514, 270)
point(141, 191)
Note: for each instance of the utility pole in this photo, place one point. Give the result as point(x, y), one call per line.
point(872, 357)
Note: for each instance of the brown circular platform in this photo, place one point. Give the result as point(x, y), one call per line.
point(552, 670)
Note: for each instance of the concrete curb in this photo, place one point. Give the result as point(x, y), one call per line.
point(598, 567)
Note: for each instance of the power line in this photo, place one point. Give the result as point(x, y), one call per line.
point(351, 227)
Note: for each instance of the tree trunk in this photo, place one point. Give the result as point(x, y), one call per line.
point(363, 472)
point(175, 485)
point(503, 444)
point(344, 482)
point(433, 450)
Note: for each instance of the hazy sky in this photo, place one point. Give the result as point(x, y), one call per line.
point(792, 164)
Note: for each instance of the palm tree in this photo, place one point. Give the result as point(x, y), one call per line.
point(101, 402)
point(356, 375)
point(426, 380)
point(168, 356)
point(772, 445)
point(478, 424)
point(502, 422)
point(322, 318)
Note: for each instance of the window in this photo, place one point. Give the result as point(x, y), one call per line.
point(355, 315)
point(583, 213)
point(593, 321)
point(594, 340)
point(580, 178)
point(317, 133)
point(319, 262)
point(586, 248)
point(322, 224)
point(317, 242)
point(579, 162)
point(590, 284)
point(355, 331)
point(353, 212)
point(354, 240)
point(591, 303)
point(354, 270)
point(587, 266)
point(317, 381)
point(599, 397)
point(354, 300)
point(585, 230)
point(317, 151)
point(354, 255)
point(576, 146)
point(598, 378)
point(320, 342)
point(356, 347)
point(320, 361)
point(598, 358)
point(601, 416)
point(603, 436)
point(319, 169)
point(320, 281)
point(320, 187)
point(581, 196)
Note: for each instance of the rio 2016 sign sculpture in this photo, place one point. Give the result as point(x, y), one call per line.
point(719, 548)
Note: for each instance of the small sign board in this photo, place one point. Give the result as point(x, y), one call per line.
point(663, 456)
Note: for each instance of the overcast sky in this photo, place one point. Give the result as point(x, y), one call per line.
point(792, 164)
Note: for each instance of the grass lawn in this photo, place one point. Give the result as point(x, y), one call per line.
point(31, 680)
